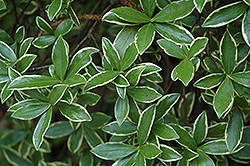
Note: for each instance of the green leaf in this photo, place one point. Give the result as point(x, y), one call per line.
point(245, 28)
point(15, 158)
point(228, 52)
point(217, 130)
point(247, 2)
point(44, 25)
point(200, 4)
point(144, 37)
point(73, 16)
point(74, 80)
point(164, 131)
point(171, 48)
point(174, 33)
point(28, 109)
point(200, 128)
point(150, 151)
point(134, 74)
point(225, 14)
point(209, 81)
point(150, 68)
point(73, 112)
point(92, 138)
point(185, 139)
point(121, 91)
point(59, 57)
point(110, 53)
point(7, 53)
point(55, 130)
point(125, 129)
point(25, 46)
point(12, 137)
point(169, 154)
point(86, 159)
point(242, 78)
point(63, 28)
point(173, 11)
point(44, 41)
point(113, 18)
point(41, 128)
point(99, 119)
point(23, 63)
point(234, 130)
point(53, 9)
point(216, 147)
point(121, 109)
point(197, 46)
point(75, 140)
point(3, 68)
point(2, 5)
point(140, 160)
point(243, 52)
point(80, 60)
point(121, 81)
point(148, 6)
point(184, 71)
point(122, 45)
point(165, 104)
point(143, 94)
point(101, 79)
point(5, 37)
point(57, 93)
point(125, 13)
point(32, 82)
point(129, 57)
point(134, 112)
point(89, 98)
point(113, 151)
point(224, 97)
point(202, 160)
point(20, 33)
point(127, 161)
point(145, 124)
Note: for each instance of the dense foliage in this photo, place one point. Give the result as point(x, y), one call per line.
point(108, 82)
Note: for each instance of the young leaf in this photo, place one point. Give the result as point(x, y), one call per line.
point(197, 46)
point(130, 15)
point(209, 81)
point(44, 25)
point(164, 131)
point(125, 129)
point(148, 6)
point(171, 48)
point(228, 52)
point(199, 4)
point(44, 41)
point(144, 37)
point(41, 128)
point(7, 53)
point(25, 46)
point(57, 93)
point(224, 97)
point(173, 11)
point(20, 33)
point(150, 151)
point(32, 82)
point(110, 53)
point(25, 62)
point(200, 128)
point(145, 124)
point(74, 112)
point(60, 57)
point(165, 104)
point(54, 8)
point(169, 154)
point(234, 130)
point(100, 79)
point(242, 78)
point(143, 94)
point(245, 28)
point(113, 151)
point(134, 74)
point(75, 140)
point(184, 71)
point(129, 57)
point(121, 109)
point(220, 17)
point(55, 130)
point(174, 33)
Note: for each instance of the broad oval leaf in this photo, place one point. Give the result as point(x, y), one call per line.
point(245, 28)
point(92, 138)
point(225, 14)
point(200, 128)
point(143, 94)
point(224, 97)
point(7, 53)
point(134, 75)
point(127, 161)
point(25, 46)
point(216, 147)
point(15, 158)
point(242, 78)
point(148, 6)
point(169, 154)
point(113, 151)
point(12, 137)
point(74, 112)
point(173, 11)
point(121, 91)
point(199, 4)
point(53, 9)
point(209, 81)
point(129, 57)
point(101, 79)
point(130, 15)
point(19, 35)
point(23, 63)
point(75, 140)
point(121, 109)
point(121, 81)
point(63, 28)
point(113, 18)
point(74, 80)
point(150, 151)
point(150, 68)
point(89, 98)
point(164, 131)
point(32, 82)
point(73, 16)
point(202, 160)
point(125, 129)
point(145, 124)
point(134, 112)
point(55, 130)
point(44, 41)
point(44, 25)
point(197, 46)
point(57, 93)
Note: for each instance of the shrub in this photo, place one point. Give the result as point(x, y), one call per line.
point(149, 82)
